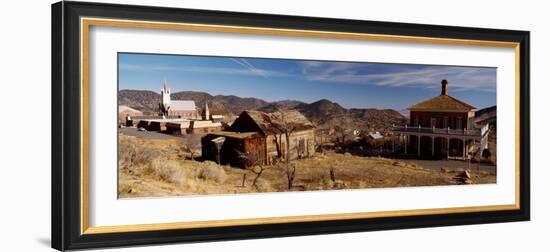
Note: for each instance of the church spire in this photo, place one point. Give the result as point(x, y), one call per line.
point(206, 111)
point(165, 98)
point(165, 87)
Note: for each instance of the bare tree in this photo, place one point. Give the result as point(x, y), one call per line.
point(192, 144)
point(253, 161)
point(284, 125)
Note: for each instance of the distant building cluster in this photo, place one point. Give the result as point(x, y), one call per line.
point(254, 138)
point(178, 117)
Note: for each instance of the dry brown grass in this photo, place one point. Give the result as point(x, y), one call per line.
point(143, 163)
point(171, 174)
point(133, 155)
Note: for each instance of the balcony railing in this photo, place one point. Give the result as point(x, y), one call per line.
point(443, 131)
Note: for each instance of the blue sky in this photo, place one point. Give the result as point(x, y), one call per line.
point(351, 84)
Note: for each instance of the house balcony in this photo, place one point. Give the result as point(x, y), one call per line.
point(450, 143)
point(442, 132)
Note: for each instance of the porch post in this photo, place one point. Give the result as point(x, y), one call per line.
point(418, 140)
point(406, 143)
point(463, 148)
point(433, 144)
point(448, 147)
point(480, 150)
point(393, 143)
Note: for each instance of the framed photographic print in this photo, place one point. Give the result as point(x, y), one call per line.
point(178, 125)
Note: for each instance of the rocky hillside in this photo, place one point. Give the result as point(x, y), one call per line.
point(273, 106)
point(142, 100)
point(147, 101)
point(320, 110)
point(327, 114)
point(324, 113)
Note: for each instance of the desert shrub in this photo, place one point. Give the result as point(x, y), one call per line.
point(134, 156)
point(171, 171)
point(264, 186)
point(213, 172)
point(362, 184)
point(326, 183)
point(187, 174)
point(315, 177)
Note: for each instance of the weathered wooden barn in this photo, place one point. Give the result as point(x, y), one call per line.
point(260, 138)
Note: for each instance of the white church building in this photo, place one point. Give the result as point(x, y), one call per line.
point(185, 109)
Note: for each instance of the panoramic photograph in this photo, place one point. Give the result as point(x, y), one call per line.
point(210, 125)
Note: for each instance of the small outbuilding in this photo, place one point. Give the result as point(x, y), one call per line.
point(261, 138)
point(124, 112)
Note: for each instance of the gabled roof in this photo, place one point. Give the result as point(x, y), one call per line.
point(276, 122)
point(442, 103)
point(177, 105)
point(232, 134)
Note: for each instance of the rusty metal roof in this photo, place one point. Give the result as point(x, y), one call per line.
point(233, 134)
point(280, 121)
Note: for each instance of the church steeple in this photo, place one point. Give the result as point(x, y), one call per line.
point(165, 88)
point(206, 113)
point(165, 98)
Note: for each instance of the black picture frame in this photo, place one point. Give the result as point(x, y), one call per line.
point(66, 126)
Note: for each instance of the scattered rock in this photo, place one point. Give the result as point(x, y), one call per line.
point(444, 169)
point(398, 163)
point(339, 184)
point(464, 177)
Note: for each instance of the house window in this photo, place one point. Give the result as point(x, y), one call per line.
point(445, 122)
point(459, 123)
point(301, 147)
point(433, 122)
point(416, 121)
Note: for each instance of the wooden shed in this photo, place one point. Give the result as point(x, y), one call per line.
point(233, 148)
point(260, 138)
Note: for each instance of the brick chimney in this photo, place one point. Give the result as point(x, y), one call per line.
point(444, 88)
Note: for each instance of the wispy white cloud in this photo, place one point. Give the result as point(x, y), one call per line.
point(460, 78)
point(193, 69)
point(244, 63)
point(247, 70)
